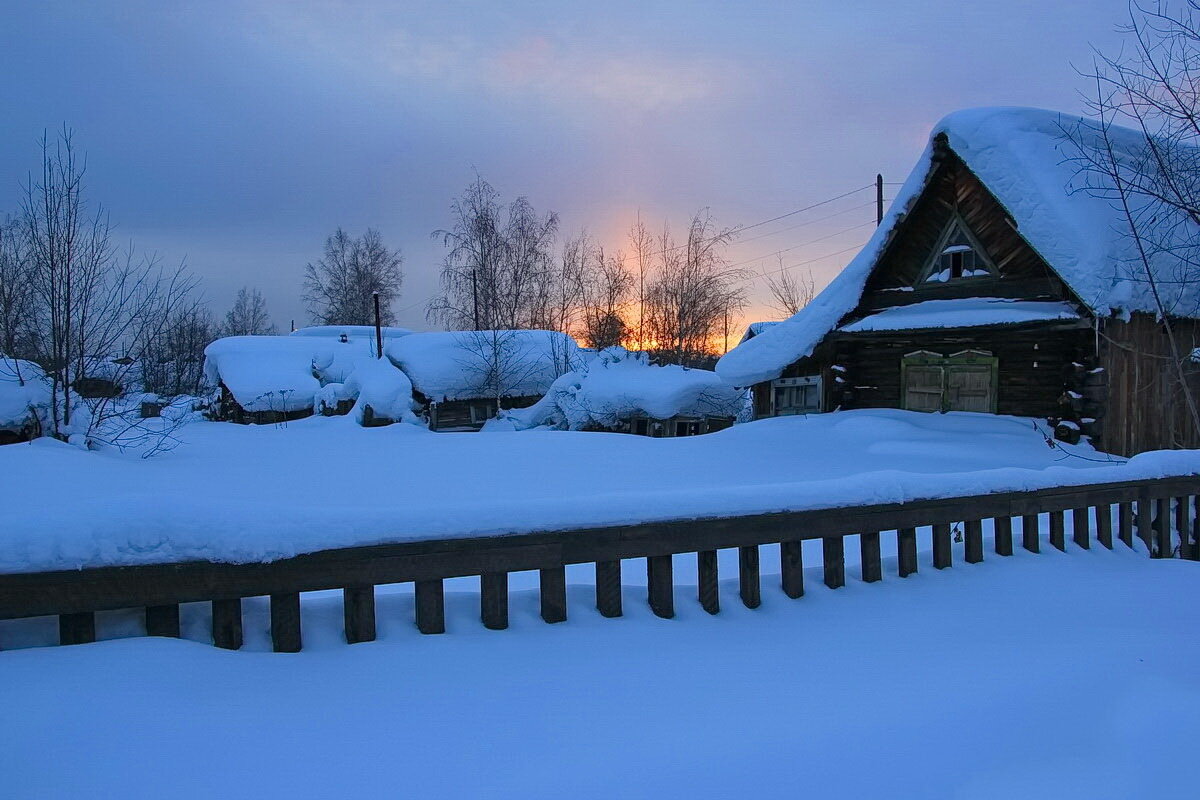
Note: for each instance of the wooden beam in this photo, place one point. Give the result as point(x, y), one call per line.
point(791, 568)
point(1057, 530)
point(553, 582)
point(358, 613)
point(608, 588)
point(749, 584)
point(707, 581)
point(163, 620)
point(1081, 532)
point(906, 551)
point(285, 622)
point(1145, 523)
point(431, 606)
point(227, 623)
point(493, 600)
point(1030, 533)
point(941, 546)
point(1166, 544)
point(1125, 523)
point(869, 557)
point(1183, 524)
point(660, 590)
point(77, 628)
point(1104, 525)
point(834, 557)
point(1002, 535)
point(973, 541)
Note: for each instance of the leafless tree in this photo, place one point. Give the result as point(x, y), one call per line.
point(606, 288)
point(789, 293)
point(641, 244)
point(339, 286)
point(1153, 87)
point(693, 293)
point(96, 308)
point(498, 263)
point(173, 363)
point(248, 316)
point(16, 294)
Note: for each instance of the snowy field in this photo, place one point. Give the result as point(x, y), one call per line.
point(249, 493)
point(1052, 675)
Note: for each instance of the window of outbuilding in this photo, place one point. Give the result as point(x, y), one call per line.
point(958, 255)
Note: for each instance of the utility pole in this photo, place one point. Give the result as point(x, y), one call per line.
point(378, 327)
point(879, 199)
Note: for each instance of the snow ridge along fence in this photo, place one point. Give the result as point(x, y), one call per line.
point(1162, 513)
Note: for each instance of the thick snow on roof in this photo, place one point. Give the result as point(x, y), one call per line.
point(962, 312)
point(755, 328)
point(23, 386)
point(617, 385)
point(1024, 156)
point(267, 373)
point(380, 384)
point(351, 331)
point(462, 365)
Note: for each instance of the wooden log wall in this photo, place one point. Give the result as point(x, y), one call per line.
point(1159, 513)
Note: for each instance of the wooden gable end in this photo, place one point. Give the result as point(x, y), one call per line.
point(953, 193)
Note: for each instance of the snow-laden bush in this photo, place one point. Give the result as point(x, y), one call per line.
point(618, 385)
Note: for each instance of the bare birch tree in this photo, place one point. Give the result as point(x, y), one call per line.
point(339, 287)
point(789, 293)
point(248, 316)
point(606, 288)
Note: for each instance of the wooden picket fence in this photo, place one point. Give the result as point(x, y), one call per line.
point(1160, 512)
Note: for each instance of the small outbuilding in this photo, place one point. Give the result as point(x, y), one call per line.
point(1000, 281)
point(24, 399)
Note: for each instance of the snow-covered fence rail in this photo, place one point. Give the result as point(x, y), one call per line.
point(1161, 512)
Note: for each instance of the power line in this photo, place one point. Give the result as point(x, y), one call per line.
point(804, 244)
point(818, 258)
point(810, 222)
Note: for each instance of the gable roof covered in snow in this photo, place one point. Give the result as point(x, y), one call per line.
point(267, 373)
point(1028, 159)
point(467, 365)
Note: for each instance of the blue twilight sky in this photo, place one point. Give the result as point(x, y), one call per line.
point(238, 135)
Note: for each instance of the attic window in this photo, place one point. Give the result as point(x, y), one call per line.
point(958, 256)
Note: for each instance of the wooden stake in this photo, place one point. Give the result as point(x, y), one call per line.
point(659, 586)
point(493, 600)
point(358, 613)
point(973, 550)
point(608, 588)
point(1030, 535)
point(906, 550)
point(791, 568)
point(749, 587)
point(869, 557)
point(941, 546)
point(163, 620)
point(834, 552)
point(431, 606)
point(1002, 535)
point(554, 594)
point(285, 622)
point(706, 581)
point(227, 624)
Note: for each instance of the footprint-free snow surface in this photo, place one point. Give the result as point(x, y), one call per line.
point(259, 493)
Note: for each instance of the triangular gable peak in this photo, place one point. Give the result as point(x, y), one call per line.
point(956, 241)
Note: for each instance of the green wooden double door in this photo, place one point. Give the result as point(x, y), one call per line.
point(964, 381)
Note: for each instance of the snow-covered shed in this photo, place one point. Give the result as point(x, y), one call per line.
point(24, 398)
point(1002, 279)
point(461, 378)
point(623, 392)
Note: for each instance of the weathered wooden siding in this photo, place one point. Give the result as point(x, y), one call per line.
point(1145, 407)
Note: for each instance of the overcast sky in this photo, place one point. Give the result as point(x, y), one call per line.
point(237, 136)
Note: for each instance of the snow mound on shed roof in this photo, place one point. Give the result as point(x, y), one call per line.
point(24, 390)
point(267, 373)
point(1025, 157)
point(380, 384)
point(617, 385)
point(962, 312)
point(458, 365)
point(334, 331)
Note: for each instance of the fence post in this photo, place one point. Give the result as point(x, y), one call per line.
point(941, 545)
point(659, 586)
point(227, 623)
point(869, 557)
point(749, 584)
point(1145, 521)
point(553, 582)
point(1125, 524)
point(77, 628)
point(1030, 534)
point(1166, 546)
point(358, 613)
point(163, 620)
point(431, 606)
point(1080, 529)
point(791, 568)
point(1183, 525)
point(906, 551)
point(608, 588)
point(973, 541)
point(1104, 525)
point(285, 622)
point(1058, 530)
point(1002, 535)
point(833, 550)
point(706, 581)
point(493, 600)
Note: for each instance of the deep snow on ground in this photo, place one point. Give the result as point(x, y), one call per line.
point(1052, 675)
point(247, 493)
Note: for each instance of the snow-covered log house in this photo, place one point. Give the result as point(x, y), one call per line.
point(1003, 280)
